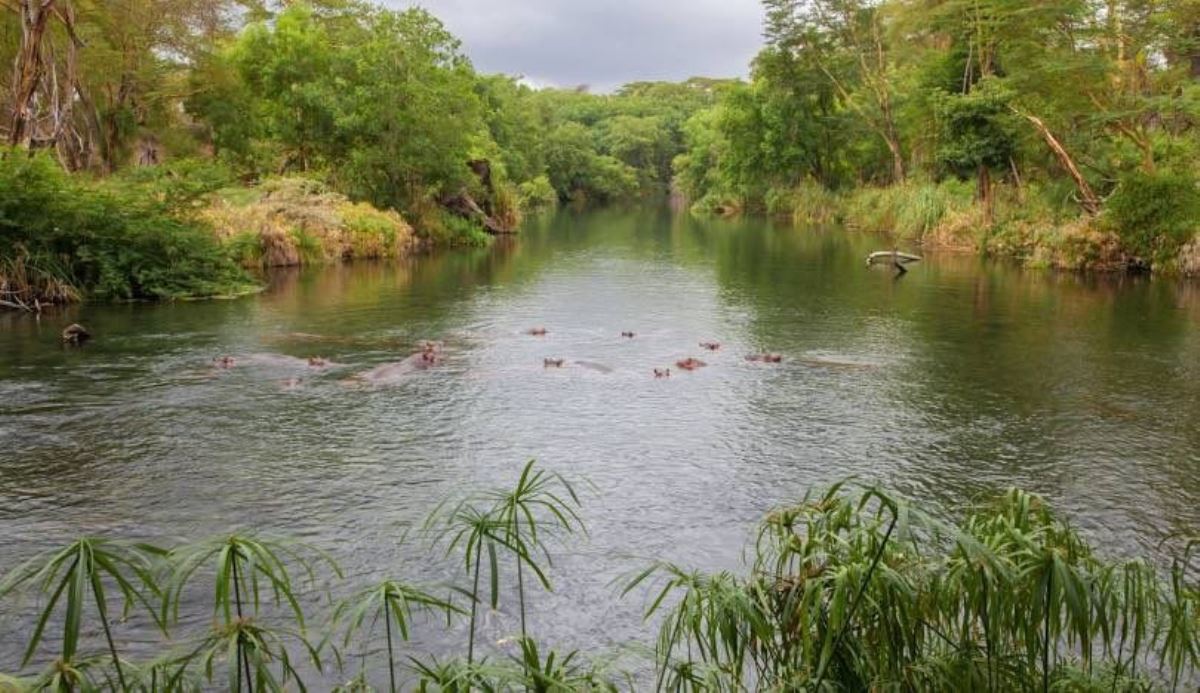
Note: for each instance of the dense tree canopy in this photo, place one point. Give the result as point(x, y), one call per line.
point(1066, 98)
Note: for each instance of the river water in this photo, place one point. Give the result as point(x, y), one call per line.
point(952, 382)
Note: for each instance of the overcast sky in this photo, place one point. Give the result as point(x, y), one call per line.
point(603, 43)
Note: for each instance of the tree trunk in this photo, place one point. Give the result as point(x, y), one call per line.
point(897, 159)
point(1087, 198)
point(27, 68)
point(984, 191)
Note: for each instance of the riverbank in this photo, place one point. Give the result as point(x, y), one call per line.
point(189, 230)
point(1146, 225)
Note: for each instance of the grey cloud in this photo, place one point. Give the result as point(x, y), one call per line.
point(604, 43)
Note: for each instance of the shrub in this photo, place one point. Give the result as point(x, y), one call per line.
point(1155, 214)
point(537, 194)
point(372, 233)
point(295, 221)
point(506, 206)
point(58, 231)
point(717, 203)
point(181, 186)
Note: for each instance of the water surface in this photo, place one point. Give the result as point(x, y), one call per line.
point(950, 383)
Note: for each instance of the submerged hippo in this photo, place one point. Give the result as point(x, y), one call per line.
point(690, 364)
point(553, 363)
point(765, 358)
point(823, 362)
point(75, 334)
point(429, 356)
point(711, 346)
point(662, 372)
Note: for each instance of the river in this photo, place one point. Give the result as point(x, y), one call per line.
point(952, 382)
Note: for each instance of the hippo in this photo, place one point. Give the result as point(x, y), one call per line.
point(662, 372)
point(428, 357)
point(553, 363)
point(75, 334)
point(536, 332)
point(690, 364)
point(711, 346)
point(765, 358)
point(225, 362)
point(628, 335)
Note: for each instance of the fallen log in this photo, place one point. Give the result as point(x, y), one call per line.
point(893, 256)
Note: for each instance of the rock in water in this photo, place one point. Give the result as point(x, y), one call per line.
point(75, 334)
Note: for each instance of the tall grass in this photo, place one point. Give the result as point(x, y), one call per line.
point(806, 203)
point(845, 589)
point(911, 211)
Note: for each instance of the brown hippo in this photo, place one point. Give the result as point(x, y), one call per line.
point(711, 346)
point(662, 372)
point(690, 364)
point(765, 358)
point(75, 334)
point(628, 335)
point(224, 362)
point(536, 332)
point(553, 363)
point(429, 356)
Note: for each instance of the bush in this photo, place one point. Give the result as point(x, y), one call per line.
point(537, 195)
point(718, 203)
point(293, 221)
point(102, 240)
point(1155, 214)
point(506, 206)
point(181, 186)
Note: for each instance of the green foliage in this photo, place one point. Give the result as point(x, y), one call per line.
point(806, 203)
point(573, 166)
point(1155, 214)
point(537, 195)
point(181, 186)
point(862, 591)
point(978, 128)
point(846, 590)
point(108, 241)
point(911, 211)
point(241, 568)
point(69, 577)
point(394, 602)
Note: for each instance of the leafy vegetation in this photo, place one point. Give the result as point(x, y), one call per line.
point(176, 103)
point(1013, 100)
point(61, 237)
point(845, 590)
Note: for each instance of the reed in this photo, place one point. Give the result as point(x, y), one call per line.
point(862, 591)
point(392, 602)
point(68, 577)
point(243, 569)
point(845, 589)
